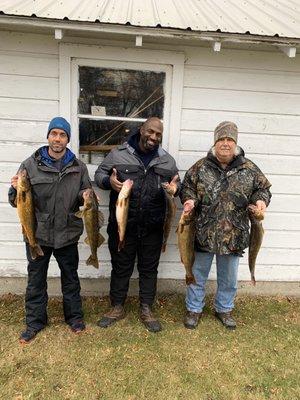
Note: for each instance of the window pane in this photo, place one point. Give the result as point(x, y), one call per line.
point(99, 136)
point(121, 93)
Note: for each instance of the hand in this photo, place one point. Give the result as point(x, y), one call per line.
point(261, 206)
point(14, 181)
point(115, 184)
point(86, 194)
point(172, 186)
point(188, 206)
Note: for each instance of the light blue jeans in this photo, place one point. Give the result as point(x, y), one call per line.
point(227, 269)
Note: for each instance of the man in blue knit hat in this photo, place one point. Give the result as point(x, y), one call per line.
point(58, 183)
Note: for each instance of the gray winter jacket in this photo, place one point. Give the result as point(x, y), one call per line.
point(57, 197)
point(147, 203)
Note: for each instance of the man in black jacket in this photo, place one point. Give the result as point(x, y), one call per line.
point(144, 161)
point(58, 182)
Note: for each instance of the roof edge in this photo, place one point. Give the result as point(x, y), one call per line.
point(130, 30)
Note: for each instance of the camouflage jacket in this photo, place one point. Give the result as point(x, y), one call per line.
point(221, 200)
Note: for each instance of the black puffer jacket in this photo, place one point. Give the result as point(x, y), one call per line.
point(57, 197)
point(147, 201)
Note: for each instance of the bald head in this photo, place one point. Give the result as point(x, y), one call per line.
point(151, 134)
point(153, 120)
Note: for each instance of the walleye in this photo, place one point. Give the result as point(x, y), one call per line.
point(26, 213)
point(170, 213)
point(186, 238)
point(93, 221)
point(122, 206)
point(256, 238)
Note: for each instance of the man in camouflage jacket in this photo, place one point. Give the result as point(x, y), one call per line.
point(220, 187)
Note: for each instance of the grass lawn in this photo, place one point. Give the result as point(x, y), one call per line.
point(260, 360)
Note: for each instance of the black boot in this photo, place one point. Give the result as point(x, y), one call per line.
point(113, 315)
point(148, 319)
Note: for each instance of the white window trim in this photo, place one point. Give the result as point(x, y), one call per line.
point(68, 53)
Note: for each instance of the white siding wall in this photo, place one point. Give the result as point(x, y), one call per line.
point(257, 90)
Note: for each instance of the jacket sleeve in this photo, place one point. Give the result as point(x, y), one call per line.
point(189, 186)
point(175, 171)
point(103, 172)
point(85, 182)
point(261, 188)
point(12, 192)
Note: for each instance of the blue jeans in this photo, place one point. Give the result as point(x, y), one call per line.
point(227, 268)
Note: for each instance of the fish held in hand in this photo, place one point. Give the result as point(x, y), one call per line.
point(26, 213)
point(256, 238)
point(122, 206)
point(93, 221)
point(186, 238)
point(170, 213)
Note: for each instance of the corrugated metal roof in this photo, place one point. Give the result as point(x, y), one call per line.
point(257, 17)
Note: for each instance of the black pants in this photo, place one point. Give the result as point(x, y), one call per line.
point(36, 298)
point(146, 246)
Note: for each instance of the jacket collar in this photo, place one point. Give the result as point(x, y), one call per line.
point(238, 160)
point(42, 156)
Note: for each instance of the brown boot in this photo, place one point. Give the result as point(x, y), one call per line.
point(113, 315)
point(226, 319)
point(148, 319)
point(191, 319)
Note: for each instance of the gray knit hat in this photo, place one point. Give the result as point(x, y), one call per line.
point(226, 129)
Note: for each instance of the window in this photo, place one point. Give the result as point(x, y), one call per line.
point(113, 103)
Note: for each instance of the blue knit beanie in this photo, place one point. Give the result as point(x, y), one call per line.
point(60, 123)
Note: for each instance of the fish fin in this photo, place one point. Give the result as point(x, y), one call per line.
point(79, 214)
point(190, 279)
point(86, 240)
point(93, 260)
point(101, 239)
point(100, 219)
point(121, 245)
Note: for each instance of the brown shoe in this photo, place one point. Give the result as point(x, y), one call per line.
point(113, 315)
point(148, 319)
point(191, 319)
point(226, 319)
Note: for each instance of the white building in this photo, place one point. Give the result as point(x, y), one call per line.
point(206, 61)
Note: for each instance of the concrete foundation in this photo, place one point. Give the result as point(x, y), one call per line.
point(100, 287)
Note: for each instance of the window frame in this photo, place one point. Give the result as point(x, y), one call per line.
point(70, 54)
point(78, 62)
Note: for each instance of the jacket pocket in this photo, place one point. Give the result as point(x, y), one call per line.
point(239, 239)
point(164, 174)
point(43, 227)
point(125, 171)
point(75, 226)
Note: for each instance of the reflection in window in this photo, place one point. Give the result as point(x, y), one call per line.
point(113, 103)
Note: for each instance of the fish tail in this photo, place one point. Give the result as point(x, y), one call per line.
point(36, 251)
point(190, 279)
point(93, 260)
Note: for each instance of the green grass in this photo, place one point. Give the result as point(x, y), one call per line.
point(260, 360)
